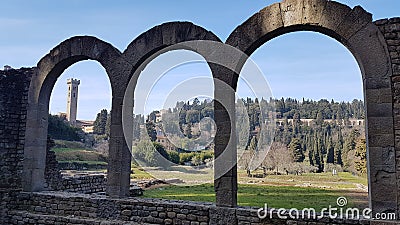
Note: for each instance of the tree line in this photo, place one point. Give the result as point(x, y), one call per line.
point(317, 146)
point(328, 141)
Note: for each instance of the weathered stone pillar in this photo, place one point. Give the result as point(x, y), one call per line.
point(225, 169)
point(389, 156)
point(119, 163)
point(34, 162)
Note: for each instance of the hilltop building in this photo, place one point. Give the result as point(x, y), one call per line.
point(72, 100)
point(72, 107)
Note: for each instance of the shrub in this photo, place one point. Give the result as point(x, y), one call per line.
point(196, 160)
point(173, 156)
point(185, 157)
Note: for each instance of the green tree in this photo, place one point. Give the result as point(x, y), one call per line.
point(348, 146)
point(151, 130)
point(296, 123)
point(318, 157)
point(173, 156)
point(197, 160)
point(145, 151)
point(99, 126)
point(338, 149)
point(188, 131)
point(361, 156)
point(59, 128)
point(160, 149)
point(297, 150)
point(330, 158)
point(253, 144)
point(192, 116)
point(207, 112)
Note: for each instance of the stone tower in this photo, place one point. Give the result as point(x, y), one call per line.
point(72, 100)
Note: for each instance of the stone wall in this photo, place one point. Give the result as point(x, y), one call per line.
point(73, 208)
point(52, 174)
point(14, 86)
point(391, 30)
point(81, 183)
point(84, 184)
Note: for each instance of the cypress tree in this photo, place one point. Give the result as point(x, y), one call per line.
point(295, 147)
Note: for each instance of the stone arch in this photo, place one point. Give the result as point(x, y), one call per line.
point(138, 54)
point(355, 30)
point(49, 68)
point(162, 36)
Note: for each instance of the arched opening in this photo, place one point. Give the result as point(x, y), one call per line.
point(48, 71)
point(363, 39)
point(148, 46)
point(79, 129)
point(318, 147)
point(173, 128)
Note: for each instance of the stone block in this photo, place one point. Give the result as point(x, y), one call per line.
point(383, 206)
point(226, 198)
point(379, 110)
point(380, 125)
point(312, 11)
point(222, 215)
point(381, 95)
point(381, 155)
point(291, 11)
point(126, 212)
point(396, 119)
point(171, 214)
point(376, 82)
point(380, 140)
point(333, 15)
point(181, 216)
point(381, 22)
point(355, 21)
point(371, 52)
point(270, 19)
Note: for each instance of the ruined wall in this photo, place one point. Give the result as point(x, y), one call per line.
point(52, 174)
point(84, 184)
point(72, 208)
point(391, 30)
point(81, 184)
point(14, 86)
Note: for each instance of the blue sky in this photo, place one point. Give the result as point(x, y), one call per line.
point(296, 65)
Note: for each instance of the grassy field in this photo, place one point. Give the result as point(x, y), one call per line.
point(139, 174)
point(317, 190)
point(78, 155)
point(69, 151)
point(278, 191)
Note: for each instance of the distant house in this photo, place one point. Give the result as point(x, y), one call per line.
point(86, 125)
point(163, 140)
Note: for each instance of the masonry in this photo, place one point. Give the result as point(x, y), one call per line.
point(63, 208)
point(32, 194)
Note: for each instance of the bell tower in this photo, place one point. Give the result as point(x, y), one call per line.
point(72, 100)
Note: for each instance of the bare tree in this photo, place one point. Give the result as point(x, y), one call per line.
point(278, 157)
